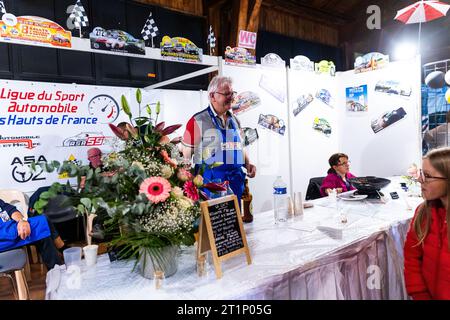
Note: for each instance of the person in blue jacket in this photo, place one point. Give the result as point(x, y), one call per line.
point(214, 135)
point(17, 231)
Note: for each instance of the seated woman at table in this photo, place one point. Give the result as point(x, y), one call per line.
point(427, 246)
point(338, 175)
point(17, 231)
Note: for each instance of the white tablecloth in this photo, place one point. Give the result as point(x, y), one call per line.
point(294, 260)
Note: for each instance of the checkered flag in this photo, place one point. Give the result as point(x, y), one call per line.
point(211, 38)
point(150, 30)
point(2, 8)
point(79, 16)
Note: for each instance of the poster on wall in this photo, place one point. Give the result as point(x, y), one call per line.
point(322, 125)
point(325, 96)
point(301, 103)
point(272, 123)
point(393, 87)
point(239, 57)
point(387, 119)
point(180, 49)
point(245, 101)
point(116, 40)
point(30, 29)
point(273, 87)
point(371, 61)
point(272, 60)
point(302, 63)
point(325, 67)
point(356, 99)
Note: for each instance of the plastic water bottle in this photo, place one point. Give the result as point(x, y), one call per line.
point(280, 200)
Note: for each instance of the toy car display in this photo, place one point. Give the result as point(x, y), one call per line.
point(302, 102)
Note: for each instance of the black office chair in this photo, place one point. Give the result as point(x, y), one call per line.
point(313, 191)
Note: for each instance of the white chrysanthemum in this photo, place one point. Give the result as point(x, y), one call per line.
point(184, 203)
point(177, 192)
point(166, 171)
point(138, 164)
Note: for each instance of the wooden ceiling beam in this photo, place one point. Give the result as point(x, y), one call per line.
point(308, 11)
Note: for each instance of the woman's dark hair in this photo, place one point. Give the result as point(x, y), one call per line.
point(334, 161)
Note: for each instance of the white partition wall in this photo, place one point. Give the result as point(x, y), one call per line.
point(270, 153)
point(310, 148)
point(393, 149)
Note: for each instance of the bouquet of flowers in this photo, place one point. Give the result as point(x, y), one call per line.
point(147, 188)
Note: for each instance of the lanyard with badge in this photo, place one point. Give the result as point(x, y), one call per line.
point(226, 145)
point(4, 215)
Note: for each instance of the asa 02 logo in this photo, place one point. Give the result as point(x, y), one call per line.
point(21, 169)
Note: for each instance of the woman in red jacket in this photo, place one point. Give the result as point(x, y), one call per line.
point(427, 246)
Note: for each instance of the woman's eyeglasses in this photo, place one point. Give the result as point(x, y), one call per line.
point(229, 94)
point(344, 163)
point(427, 178)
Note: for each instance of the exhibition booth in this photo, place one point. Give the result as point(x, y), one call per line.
point(50, 121)
point(293, 116)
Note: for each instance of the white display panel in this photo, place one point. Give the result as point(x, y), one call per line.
point(270, 153)
point(393, 149)
point(310, 148)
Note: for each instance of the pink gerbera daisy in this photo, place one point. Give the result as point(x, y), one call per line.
point(191, 190)
point(157, 189)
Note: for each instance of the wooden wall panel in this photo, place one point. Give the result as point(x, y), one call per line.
point(293, 26)
point(194, 7)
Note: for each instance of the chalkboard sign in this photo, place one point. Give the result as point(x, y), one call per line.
point(221, 231)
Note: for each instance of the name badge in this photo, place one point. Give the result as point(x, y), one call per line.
point(231, 146)
point(4, 216)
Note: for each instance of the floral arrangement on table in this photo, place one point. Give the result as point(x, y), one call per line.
point(411, 179)
point(147, 189)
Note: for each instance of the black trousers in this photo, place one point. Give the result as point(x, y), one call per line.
point(47, 249)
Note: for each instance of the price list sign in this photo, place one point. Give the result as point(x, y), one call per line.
point(221, 231)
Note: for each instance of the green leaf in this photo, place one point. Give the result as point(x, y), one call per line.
point(125, 106)
point(90, 174)
point(80, 208)
point(86, 202)
point(138, 95)
point(49, 167)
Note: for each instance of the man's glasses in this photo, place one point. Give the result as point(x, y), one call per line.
point(229, 94)
point(424, 178)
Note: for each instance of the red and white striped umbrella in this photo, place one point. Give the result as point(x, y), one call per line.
point(422, 11)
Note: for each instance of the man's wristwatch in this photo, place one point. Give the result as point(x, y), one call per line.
point(23, 219)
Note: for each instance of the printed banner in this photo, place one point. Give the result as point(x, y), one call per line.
point(179, 48)
point(116, 40)
point(239, 57)
point(47, 121)
point(29, 29)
